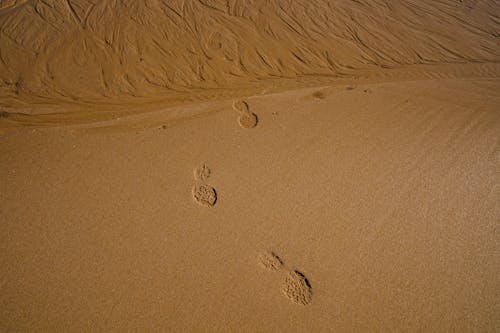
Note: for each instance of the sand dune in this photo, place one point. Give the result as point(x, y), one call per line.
point(79, 53)
point(249, 166)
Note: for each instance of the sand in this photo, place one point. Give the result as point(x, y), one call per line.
point(249, 166)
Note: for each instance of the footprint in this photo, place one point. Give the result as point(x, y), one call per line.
point(241, 106)
point(202, 173)
point(247, 119)
point(297, 288)
point(271, 261)
point(204, 195)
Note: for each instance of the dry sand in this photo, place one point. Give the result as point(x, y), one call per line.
point(249, 166)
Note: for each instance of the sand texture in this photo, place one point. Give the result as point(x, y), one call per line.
point(249, 166)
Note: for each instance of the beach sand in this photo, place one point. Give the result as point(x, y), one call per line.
point(268, 166)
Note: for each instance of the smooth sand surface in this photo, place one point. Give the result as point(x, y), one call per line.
point(360, 196)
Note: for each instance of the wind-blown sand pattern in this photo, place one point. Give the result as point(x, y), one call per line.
point(361, 139)
point(115, 54)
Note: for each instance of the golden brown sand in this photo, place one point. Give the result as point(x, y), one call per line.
point(249, 166)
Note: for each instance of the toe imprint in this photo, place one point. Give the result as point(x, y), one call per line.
point(202, 173)
point(204, 195)
point(241, 106)
point(271, 261)
point(297, 288)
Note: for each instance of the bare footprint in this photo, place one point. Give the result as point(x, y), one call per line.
point(297, 288)
point(202, 173)
point(271, 261)
point(205, 195)
point(247, 119)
